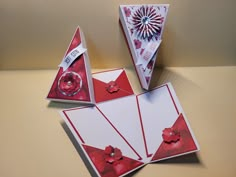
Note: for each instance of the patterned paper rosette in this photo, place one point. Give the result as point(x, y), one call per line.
point(70, 83)
point(147, 22)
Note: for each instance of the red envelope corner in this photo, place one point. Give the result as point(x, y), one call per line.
point(184, 144)
point(115, 80)
point(105, 169)
point(107, 149)
point(80, 88)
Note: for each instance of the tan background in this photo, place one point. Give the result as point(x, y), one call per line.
point(35, 34)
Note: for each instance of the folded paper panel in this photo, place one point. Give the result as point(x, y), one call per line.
point(185, 142)
point(111, 85)
point(83, 120)
point(107, 76)
point(143, 27)
point(109, 163)
point(73, 82)
point(106, 147)
point(124, 115)
point(159, 111)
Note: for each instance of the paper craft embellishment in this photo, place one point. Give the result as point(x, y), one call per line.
point(70, 83)
point(112, 154)
point(143, 27)
point(176, 140)
point(170, 135)
point(112, 87)
point(71, 56)
point(73, 82)
point(111, 84)
point(147, 22)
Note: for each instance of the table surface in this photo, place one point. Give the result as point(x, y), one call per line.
point(35, 142)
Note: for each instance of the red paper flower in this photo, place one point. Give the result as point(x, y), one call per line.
point(112, 87)
point(70, 83)
point(112, 154)
point(170, 135)
point(137, 43)
point(127, 11)
point(147, 22)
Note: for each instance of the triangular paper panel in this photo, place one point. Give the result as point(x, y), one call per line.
point(107, 76)
point(182, 143)
point(143, 27)
point(109, 88)
point(74, 82)
point(111, 166)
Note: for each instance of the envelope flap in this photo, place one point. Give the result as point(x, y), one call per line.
point(110, 166)
point(108, 76)
point(172, 146)
point(124, 84)
point(157, 110)
point(101, 85)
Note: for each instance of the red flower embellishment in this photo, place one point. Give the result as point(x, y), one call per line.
point(112, 154)
point(170, 135)
point(112, 87)
point(137, 43)
point(127, 11)
point(70, 83)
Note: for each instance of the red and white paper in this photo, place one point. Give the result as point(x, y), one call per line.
point(143, 27)
point(73, 81)
point(121, 135)
point(106, 148)
point(111, 84)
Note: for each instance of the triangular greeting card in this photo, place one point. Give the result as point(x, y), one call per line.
point(143, 27)
point(73, 82)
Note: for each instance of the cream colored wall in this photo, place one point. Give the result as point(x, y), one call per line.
point(35, 34)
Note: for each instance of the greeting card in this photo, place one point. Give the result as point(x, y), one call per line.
point(73, 81)
point(143, 27)
point(144, 128)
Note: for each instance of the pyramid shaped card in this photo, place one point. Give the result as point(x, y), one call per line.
point(143, 27)
point(73, 82)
